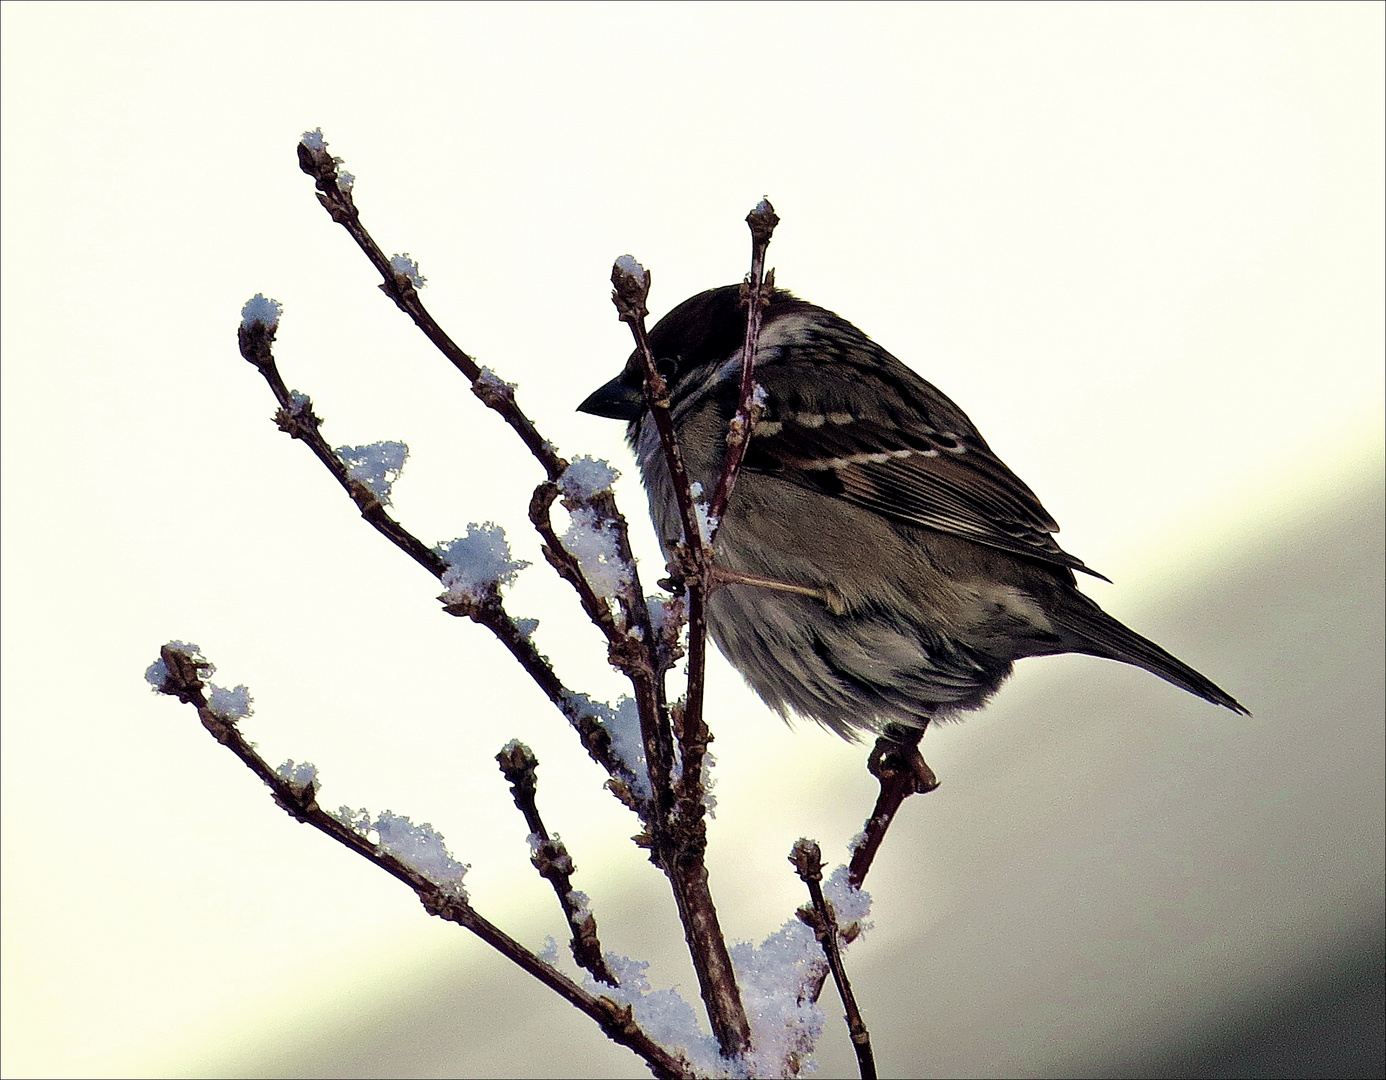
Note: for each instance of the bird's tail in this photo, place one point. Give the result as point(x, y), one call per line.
point(1086, 628)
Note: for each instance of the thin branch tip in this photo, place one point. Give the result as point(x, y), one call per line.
point(551, 859)
point(821, 917)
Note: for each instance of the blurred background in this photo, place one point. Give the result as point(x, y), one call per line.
point(1140, 245)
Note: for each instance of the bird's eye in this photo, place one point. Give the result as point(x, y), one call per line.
point(667, 367)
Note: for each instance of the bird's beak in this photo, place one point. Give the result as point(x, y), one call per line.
point(620, 399)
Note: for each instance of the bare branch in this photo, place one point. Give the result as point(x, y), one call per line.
point(694, 735)
point(680, 848)
point(296, 417)
point(550, 857)
point(678, 833)
point(340, 205)
point(755, 294)
point(821, 918)
point(184, 681)
point(681, 860)
point(631, 283)
point(625, 645)
point(674, 815)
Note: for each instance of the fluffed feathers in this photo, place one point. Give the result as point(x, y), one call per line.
point(864, 484)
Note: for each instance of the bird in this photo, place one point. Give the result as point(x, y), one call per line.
point(878, 566)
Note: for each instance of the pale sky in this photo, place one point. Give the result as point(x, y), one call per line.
point(1141, 245)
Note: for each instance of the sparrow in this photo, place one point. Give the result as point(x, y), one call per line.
point(877, 565)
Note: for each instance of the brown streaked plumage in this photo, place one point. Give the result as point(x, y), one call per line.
point(934, 566)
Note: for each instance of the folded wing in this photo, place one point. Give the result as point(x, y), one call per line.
point(876, 452)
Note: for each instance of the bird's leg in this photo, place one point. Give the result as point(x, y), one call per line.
point(897, 763)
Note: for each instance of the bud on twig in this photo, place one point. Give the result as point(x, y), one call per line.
point(632, 288)
point(762, 221)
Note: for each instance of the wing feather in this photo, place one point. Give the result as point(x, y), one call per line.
point(911, 454)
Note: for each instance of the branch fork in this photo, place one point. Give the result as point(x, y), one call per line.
point(675, 737)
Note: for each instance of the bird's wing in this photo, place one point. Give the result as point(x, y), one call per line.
point(909, 454)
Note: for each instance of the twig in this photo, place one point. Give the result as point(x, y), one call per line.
point(633, 656)
point(550, 857)
point(340, 205)
point(631, 288)
point(568, 567)
point(184, 681)
point(755, 295)
point(896, 762)
point(339, 202)
point(678, 833)
point(822, 919)
point(296, 417)
point(694, 735)
point(680, 836)
point(676, 829)
point(678, 857)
